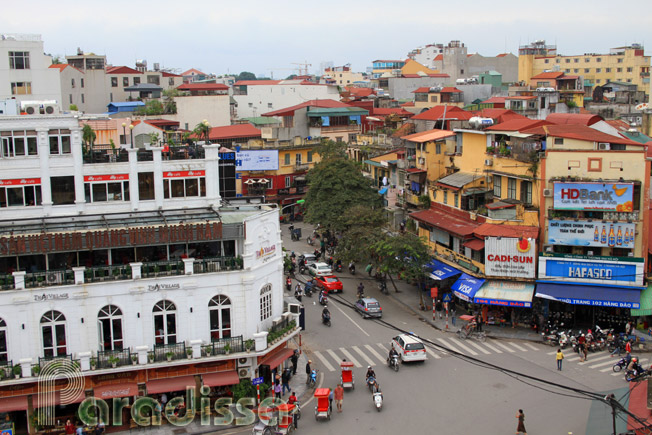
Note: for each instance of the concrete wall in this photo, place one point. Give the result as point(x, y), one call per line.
point(192, 110)
point(268, 98)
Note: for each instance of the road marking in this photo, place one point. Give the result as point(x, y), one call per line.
point(369, 361)
point(551, 353)
point(495, 349)
point(448, 345)
point(373, 352)
point(352, 321)
point(602, 364)
point(465, 347)
point(617, 374)
point(334, 355)
point(522, 349)
point(608, 369)
point(350, 357)
point(324, 361)
point(531, 346)
point(433, 354)
point(382, 346)
point(477, 346)
point(505, 347)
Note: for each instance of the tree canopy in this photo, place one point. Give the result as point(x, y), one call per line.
point(362, 227)
point(246, 75)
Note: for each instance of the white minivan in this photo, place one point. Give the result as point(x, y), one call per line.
point(409, 348)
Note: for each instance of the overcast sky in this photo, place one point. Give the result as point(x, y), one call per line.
point(258, 36)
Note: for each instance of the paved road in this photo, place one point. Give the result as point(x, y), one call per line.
point(446, 394)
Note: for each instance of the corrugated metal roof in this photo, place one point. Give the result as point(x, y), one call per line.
point(427, 136)
point(336, 111)
point(459, 179)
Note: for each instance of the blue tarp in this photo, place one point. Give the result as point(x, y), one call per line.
point(382, 191)
point(325, 121)
point(466, 287)
point(416, 187)
point(355, 118)
point(441, 270)
point(597, 296)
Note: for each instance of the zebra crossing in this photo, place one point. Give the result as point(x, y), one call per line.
point(374, 354)
point(601, 361)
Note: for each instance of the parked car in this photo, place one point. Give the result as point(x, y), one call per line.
point(369, 307)
point(329, 282)
point(307, 258)
point(317, 269)
point(409, 348)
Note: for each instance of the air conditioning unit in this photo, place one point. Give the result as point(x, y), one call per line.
point(294, 308)
point(30, 109)
point(50, 109)
point(547, 193)
point(603, 146)
point(488, 162)
point(244, 362)
point(245, 372)
point(54, 278)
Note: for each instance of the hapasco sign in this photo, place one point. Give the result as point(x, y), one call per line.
point(509, 257)
point(594, 196)
point(623, 271)
point(597, 234)
point(106, 239)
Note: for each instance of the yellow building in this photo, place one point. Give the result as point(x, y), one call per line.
point(425, 97)
point(414, 67)
point(623, 64)
point(341, 76)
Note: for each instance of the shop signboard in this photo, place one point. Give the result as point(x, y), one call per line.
point(509, 257)
point(621, 271)
point(594, 196)
point(596, 234)
point(256, 160)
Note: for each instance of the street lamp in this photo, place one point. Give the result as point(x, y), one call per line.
point(124, 132)
point(131, 135)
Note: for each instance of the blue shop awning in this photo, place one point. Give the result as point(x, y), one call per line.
point(442, 270)
point(466, 287)
point(382, 191)
point(597, 296)
point(505, 293)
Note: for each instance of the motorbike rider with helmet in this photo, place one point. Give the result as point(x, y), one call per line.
point(370, 373)
point(392, 354)
point(325, 314)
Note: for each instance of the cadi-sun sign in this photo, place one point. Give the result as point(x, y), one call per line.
point(510, 257)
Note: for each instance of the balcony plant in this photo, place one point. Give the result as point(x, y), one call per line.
point(169, 355)
point(36, 370)
point(93, 363)
point(17, 371)
point(150, 357)
point(114, 360)
point(249, 344)
point(227, 348)
point(189, 353)
point(134, 359)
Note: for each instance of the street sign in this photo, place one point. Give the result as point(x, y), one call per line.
point(447, 297)
point(257, 381)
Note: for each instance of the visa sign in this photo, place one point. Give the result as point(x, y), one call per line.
point(594, 196)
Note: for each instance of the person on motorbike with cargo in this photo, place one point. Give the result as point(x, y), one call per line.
point(392, 354)
point(325, 314)
point(322, 295)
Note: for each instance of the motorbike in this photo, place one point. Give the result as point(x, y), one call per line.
point(378, 400)
point(550, 337)
point(310, 240)
point(308, 288)
point(637, 374)
point(326, 319)
point(338, 267)
point(393, 363)
point(383, 287)
point(288, 284)
point(323, 299)
point(313, 379)
point(352, 269)
point(620, 365)
point(370, 383)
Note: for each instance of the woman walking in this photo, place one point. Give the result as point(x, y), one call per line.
point(520, 429)
point(560, 358)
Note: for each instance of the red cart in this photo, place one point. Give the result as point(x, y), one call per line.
point(323, 408)
point(347, 375)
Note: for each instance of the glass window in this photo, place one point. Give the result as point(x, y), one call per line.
point(114, 82)
point(109, 322)
point(526, 192)
point(607, 70)
point(21, 88)
point(288, 181)
point(220, 317)
point(146, 185)
point(59, 142)
point(298, 158)
point(125, 82)
point(456, 200)
point(72, 83)
point(437, 148)
point(53, 331)
point(3, 341)
point(165, 322)
point(19, 60)
point(82, 82)
point(619, 70)
point(20, 196)
point(266, 302)
point(497, 186)
point(445, 196)
point(309, 158)
point(63, 190)
point(184, 187)
point(287, 158)
point(511, 188)
point(136, 81)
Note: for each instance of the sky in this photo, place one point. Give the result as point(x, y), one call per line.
point(271, 37)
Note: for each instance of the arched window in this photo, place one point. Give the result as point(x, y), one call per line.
point(220, 317)
point(53, 329)
point(266, 302)
point(109, 323)
point(165, 323)
point(3, 341)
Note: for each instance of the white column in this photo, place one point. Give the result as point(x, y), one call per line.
point(133, 178)
point(136, 271)
point(84, 361)
point(78, 169)
point(26, 367)
point(19, 279)
point(142, 354)
point(212, 159)
point(44, 162)
point(188, 265)
point(79, 274)
point(196, 348)
point(260, 338)
point(158, 176)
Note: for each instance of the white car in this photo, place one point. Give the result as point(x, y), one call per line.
point(409, 348)
point(319, 269)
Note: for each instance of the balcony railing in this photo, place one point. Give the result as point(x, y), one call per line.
point(217, 264)
point(7, 282)
point(106, 156)
point(171, 352)
point(351, 128)
point(44, 361)
point(49, 278)
point(162, 268)
point(459, 259)
point(106, 359)
point(224, 346)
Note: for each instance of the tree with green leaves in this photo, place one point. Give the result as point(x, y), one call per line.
point(362, 227)
point(88, 137)
point(246, 75)
point(334, 186)
point(202, 130)
point(328, 149)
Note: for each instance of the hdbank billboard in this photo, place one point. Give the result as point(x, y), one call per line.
point(594, 196)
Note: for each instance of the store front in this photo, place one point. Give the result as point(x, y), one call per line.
point(268, 365)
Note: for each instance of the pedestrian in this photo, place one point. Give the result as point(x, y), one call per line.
point(69, 428)
point(278, 390)
point(285, 380)
point(628, 328)
point(585, 351)
point(560, 358)
point(438, 307)
point(520, 429)
point(295, 360)
point(479, 322)
point(330, 400)
point(339, 396)
point(452, 308)
point(628, 346)
point(369, 268)
point(513, 317)
point(308, 371)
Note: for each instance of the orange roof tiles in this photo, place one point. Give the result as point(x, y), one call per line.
point(202, 87)
point(500, 115)
point(289, 111)
point(383, 111)
point(444, 220)
point(421, 90)
point(439, 57)
point(499, 230)
point(582, 132)
point(449, 90)
point(233, 132)
point(574, 118)
point(121, 70)
point(548, 75)
point(495, 100)
point(436, 113)
point(428, 136)
point(517, 124)
point(192, 71)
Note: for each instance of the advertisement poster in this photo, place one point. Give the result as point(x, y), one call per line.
point(594, 196)
point(585, 233)
point(256, 160)
point(509, 257)
point(600, 270)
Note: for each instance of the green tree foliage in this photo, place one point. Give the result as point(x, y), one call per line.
point(152, 107)
point(335, 185)
point(406, 254)
point(202, 131)
point(246, 75)
point(329, 149)
point(88, 135)
point(362, 227)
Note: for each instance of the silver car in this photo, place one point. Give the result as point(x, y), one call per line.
point(369, 307)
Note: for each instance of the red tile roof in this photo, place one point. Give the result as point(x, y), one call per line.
point(62, 66)
point(421, 90)
point(494, 100)
point(192, 71)
point(256, 82)
point(518, 124)
point(439, 57)
point(384, 111)
point(502, 54)
point(440, 75)
point(499, 115)
point(449, 90)
point(574, 118)
point(436, 113)
point(408, 104)
point(582, 132)
point(233, 132)
point(427, 136)
point(360, 92)
point(168, 74)
point(500, 230)
point(121, 70)
point(548, 75)
point(289, 111)
point(521, 97)
point(618, 124)
point(445, 221)
point(203, 87)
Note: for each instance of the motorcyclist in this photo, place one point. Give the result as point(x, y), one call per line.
point(298, 292)
point(288, 283)
point(338, 265)
point(370, 373)
point(322, 294)
point(325, 314)
point(292, 255)
point(634, 366)
point(351, 266)
point(392, 354)
point(360, 291)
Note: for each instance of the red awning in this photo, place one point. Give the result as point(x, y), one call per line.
point(180, 383)
point(116, 390)
point(220, 379)
point(18, 403)
point(276, 359)
point(79, 396)
point(446, 221)
point(475, 244)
